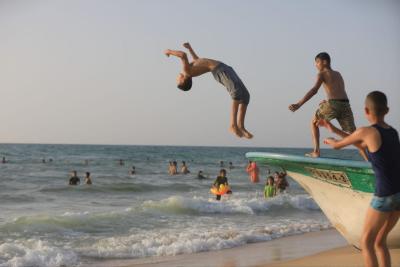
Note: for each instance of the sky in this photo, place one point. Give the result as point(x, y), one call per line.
point(94, 72)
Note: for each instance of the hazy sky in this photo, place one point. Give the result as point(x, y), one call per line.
point(94, 71)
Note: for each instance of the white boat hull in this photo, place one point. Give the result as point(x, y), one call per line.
point(344, 207)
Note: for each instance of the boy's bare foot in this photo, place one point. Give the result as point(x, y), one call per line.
point(236, 131)
point(246, 133)
point(313, 154)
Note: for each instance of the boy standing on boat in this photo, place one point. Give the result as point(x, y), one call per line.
point(225, 75)
point(336, 107)
point(383, 147)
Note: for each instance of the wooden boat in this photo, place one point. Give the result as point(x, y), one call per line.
point(343, 189)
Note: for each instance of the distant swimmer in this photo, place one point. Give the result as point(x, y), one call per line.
point(231, 165)
point(253, 171)
point(43, 160)
point(221, 180)
point(132, 171)
point(281, 182)
point(88, 180)
point(50, 160)
point(173, 168)
point(337, 106)
point(86, 162)
point(4, 160)
point(121, 162)
point(221, 164)
point(225, 75)
point(270, 188)
point(184, 168)
point(200, 175)
point(74, 180)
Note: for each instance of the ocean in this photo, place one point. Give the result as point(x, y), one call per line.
point(46, 222)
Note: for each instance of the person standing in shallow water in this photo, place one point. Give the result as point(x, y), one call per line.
point(74, 180)
point(184, 168)
point(221, 180)
point(88, 180)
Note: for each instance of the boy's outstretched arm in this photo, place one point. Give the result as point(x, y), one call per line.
point(191, 51)
point(313, 91)
point(343, 134)
point(356, 138)
point(182, 55)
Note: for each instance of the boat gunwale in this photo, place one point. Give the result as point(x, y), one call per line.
point(316, 161)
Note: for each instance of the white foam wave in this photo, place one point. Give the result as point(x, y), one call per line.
point(255, 205)
point(174, 242)
point(35, 252)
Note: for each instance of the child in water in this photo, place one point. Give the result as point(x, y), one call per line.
point(270, 189)
point(221, 180)
point(383, 148)
point(253, 171)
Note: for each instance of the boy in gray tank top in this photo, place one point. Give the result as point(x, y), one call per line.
point(225, 75)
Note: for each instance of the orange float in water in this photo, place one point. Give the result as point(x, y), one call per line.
point(222, 190)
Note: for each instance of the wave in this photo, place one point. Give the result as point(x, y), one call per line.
point(35, 253)
point(192, 240)
point(87, 221)
point(119, 187)
point(179, 204)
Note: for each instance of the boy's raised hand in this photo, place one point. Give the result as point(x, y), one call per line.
point(294, 107)
point(167, 52)
point(186, 45)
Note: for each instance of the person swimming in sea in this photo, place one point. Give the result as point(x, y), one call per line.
point(221, 180)
point(200, 175)
point(74, 180)
point(88, 180)
point(132, 171)
point(231, 165)
point(184, 168)
point(270, 188)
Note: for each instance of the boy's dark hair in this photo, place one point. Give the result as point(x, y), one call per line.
point(87, 173)
point(223, 171)
point(186, 84)
point(324, 56)
point(271, 178)
point(378, 102)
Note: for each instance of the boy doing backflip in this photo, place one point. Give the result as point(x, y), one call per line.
point(225, 75)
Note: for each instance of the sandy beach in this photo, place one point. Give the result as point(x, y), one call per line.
point(259, 254)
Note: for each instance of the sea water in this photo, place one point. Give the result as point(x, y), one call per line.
point(46, 222)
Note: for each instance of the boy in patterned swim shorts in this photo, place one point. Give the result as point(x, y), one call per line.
point(225, 75)
point(336, 107)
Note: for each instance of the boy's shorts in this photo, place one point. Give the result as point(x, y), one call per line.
point(225, 75)
point(386, 204)
point(337, 109)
